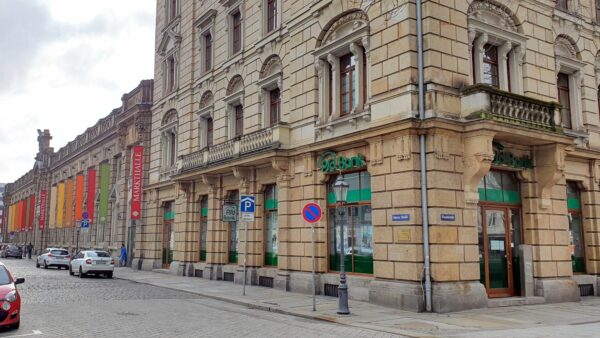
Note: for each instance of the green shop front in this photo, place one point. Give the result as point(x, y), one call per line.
point(353, 215)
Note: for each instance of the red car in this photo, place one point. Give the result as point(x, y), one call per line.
point(10, 300)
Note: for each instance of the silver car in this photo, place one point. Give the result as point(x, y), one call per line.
point(53, 257)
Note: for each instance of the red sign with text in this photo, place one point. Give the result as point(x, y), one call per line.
point(137, 175)
point(42, 221)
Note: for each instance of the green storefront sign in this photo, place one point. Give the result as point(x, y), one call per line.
point(331, 162)
point(508, 159)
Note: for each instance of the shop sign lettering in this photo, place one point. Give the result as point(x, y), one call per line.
point(332, 162)
point(505, 158)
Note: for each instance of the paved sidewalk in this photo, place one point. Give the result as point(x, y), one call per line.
point(547, 320)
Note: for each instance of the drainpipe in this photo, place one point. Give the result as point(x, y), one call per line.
point(422, 159)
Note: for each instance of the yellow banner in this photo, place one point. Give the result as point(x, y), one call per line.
point(60, 204)
point(52, 220)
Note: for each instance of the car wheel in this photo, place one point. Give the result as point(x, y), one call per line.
point(109, 275)
point(37, 264)
point(71, 271)
point(81, 274)
point(45, 265)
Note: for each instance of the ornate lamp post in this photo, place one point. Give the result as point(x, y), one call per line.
point(340, 188)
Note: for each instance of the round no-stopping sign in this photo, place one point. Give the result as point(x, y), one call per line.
point(312, 213)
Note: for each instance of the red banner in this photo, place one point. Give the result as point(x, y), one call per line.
point(23, 215)
point(42, 221)
point(137, 175)
point(91, 194)
point(31, 211)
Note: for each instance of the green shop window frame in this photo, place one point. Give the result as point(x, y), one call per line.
point(234, 228)
point(357, 207)
point(203, 226)
point(271, 225)
point(576, 236)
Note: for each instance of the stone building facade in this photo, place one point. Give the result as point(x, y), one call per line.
point(90, 174)
point(275, 98)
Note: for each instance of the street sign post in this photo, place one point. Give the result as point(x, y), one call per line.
point(312, 214)
point(85, 225)
point(247, 207)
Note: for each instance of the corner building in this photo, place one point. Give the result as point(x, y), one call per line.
point(275, 98)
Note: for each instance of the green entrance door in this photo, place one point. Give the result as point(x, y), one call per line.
point(168, 235)
point(497, 252)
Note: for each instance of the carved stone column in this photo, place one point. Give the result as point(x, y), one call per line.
point(477, 158)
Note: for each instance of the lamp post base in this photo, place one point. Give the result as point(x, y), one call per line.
point(343, 308)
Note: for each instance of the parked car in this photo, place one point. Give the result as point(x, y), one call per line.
point(53, 257)
point(92, 262)
point(12, 250)
point(10, 300)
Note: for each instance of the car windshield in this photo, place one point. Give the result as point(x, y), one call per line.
point(97, 254)
point(13, 247)
point(59, 252)
point(4, 277)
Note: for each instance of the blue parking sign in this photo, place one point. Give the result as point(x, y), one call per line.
point(247, 207)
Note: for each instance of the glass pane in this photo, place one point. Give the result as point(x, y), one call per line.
point(353, 90)
point(577, 245)
point(271, 238)
point(496, 241)
point(515, 235)
point(335, 238)
point(362, 240)
point(493, 186)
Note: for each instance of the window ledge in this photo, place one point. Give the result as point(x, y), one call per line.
point(172, 23)
point(235, 58)
point(275, 35)
point(582, 137)
point(353, 119)
point(560, 14)
point(207, 76)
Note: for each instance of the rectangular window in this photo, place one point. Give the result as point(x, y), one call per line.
point(236, 20)
point(209, 132)
point(562, 4)
point(576, 245)
point(348, 97)
point(274, 106)
point(170, 74)
point(203, 226)
point(271, 15)
point(271, 225)
point(490, 65)
point(233, 198)
point(207, 52)
point(239, 121)
point(562, 83)
point(172, 9)
point(172, 148)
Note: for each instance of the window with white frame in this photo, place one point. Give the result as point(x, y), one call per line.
point(205, 120)
point(497, 47)
point(170, 73)
point(234, 101)
point(341, 63)
point(270, 83)
point(205, 26)
point(271, 15)
point(235, 32)
point(569, 77)
point(168, 142)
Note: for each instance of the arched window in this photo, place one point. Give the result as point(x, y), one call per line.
point(341, 63)
point(205, 120)
point(497, 46)
point(569, 77)
point(168, 142)
point(235, 107)
point(270, 84)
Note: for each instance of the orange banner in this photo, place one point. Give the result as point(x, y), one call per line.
point(79, 197)
point(69, 203)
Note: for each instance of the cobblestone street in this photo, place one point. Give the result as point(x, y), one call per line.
point(55, 304)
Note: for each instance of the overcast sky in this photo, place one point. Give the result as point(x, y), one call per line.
point(64, 64)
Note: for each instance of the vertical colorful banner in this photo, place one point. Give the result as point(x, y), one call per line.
point(79, 197)
point(52, 220)
point(27, 212)
point(137, 170)
point(11, 217)
point(42, 219)
point(60, 204)
point(104, 182)
point(69, 190)
point(23, 211)
point(31, 211)
point(91, 193)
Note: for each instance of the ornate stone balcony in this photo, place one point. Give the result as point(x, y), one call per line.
point(263, 140)
point(486, 102)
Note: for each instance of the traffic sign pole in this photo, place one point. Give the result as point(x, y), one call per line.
point(247, 207)
point(245, 257)
point(312, 214)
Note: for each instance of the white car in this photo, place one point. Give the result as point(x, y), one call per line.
point(53, 257)
point(92, 262)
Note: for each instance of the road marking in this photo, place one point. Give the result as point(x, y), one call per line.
point(33, 333)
